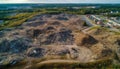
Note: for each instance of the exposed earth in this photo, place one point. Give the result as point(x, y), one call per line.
point(56, 38)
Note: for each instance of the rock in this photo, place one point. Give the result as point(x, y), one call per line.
point(1, 33)
point(118, 42)
point(63, 52)
point(8, 29)
point(49, 28)
point(36, 52)
point(18, 45)
point(4, 46)
point(2, 59)
point(15, 33)
point(63, 37)
point(106, 52)
point(35, 24)
point(62, 18)
point(56, 23)
point(88, 41)
point(32, 33)
point(10, 60)
point(74, 53)
point(37, 32)
point(14, 61)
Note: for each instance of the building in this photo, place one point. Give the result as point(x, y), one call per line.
point(96, 19)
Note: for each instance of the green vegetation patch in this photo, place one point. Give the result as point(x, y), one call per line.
point(17, 20)
point(74, 65)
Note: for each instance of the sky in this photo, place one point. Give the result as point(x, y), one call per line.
point(59, 1)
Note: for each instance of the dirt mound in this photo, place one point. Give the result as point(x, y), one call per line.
point(82, 39)
point(14, 46)
point(36, 52)
point(118, 42)
point(62, 37)
point(89, 40)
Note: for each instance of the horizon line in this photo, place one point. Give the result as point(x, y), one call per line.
point(58, 3)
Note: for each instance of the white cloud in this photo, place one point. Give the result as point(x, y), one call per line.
point(76, 1)
point(17, 1)
point(60, 1)
point(13, 1)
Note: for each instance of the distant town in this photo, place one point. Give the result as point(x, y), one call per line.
point(112, 22)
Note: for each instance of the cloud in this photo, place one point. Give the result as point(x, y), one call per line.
point(13, 1)
point(59, 1)
point(76, 1)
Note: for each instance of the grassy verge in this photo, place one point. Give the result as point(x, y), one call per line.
point(94, 27)
point(17, 20)
point(105, 63)
point(75, 65)
point(116, 32)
